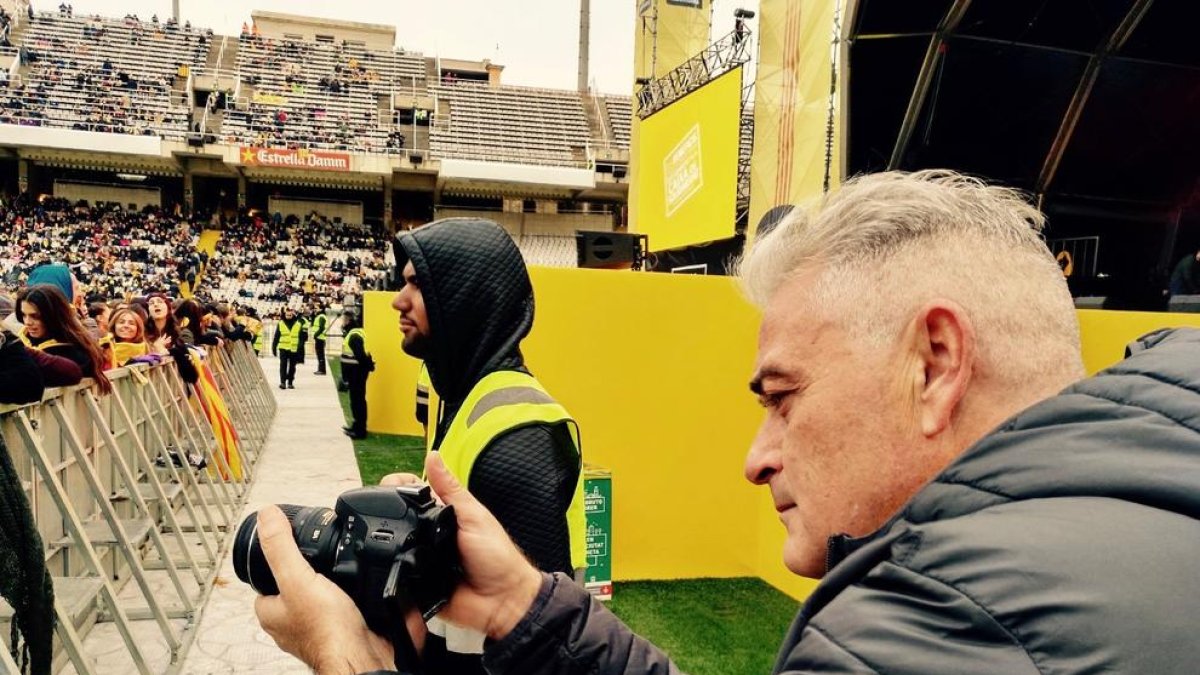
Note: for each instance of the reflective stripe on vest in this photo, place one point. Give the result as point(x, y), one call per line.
point(501, 402)
point(423, 385)
point(348, 357)
point(289, 338)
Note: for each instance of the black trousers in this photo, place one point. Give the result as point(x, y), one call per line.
point(287, 366)
point(320, 344)
point(356, 378)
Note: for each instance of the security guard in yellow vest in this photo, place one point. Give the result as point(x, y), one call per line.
point(320, 327)
point(289, 336)
point(465, 303)
point(357, 365)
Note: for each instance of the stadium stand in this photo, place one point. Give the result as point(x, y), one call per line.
point(620, 112)
point(511, 124)
point(131, 76)
point(317, 94)
point(98, 74)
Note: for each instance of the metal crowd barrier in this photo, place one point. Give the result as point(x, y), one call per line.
point(136, 487)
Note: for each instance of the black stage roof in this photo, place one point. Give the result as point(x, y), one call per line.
point(1091, 105)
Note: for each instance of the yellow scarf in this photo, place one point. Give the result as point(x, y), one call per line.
point(123, 352)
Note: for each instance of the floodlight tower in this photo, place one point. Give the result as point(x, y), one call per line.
point(585, 21)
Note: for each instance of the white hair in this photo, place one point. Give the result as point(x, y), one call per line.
point(886, 243)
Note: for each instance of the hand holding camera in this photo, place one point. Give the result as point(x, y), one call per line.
point(322, 622)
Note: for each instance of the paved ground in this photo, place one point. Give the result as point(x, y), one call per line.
point(307, 460)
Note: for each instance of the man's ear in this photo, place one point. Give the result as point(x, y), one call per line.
point(943, 344)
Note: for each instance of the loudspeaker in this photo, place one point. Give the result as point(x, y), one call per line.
point(607, 249)
point(195, 140)
point(619, 170)
point(416, 158)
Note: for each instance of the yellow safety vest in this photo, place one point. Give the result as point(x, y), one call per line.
point(289, 338)
point(320, 326)
point(499, 403)
point(348, 358)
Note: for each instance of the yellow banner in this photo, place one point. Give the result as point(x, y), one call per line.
point(688, 158)
point(269, 99)
point(666, 33)
point(792, 106)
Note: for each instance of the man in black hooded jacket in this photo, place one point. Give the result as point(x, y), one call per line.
point(465, 304)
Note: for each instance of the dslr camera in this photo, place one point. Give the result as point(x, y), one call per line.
point(388, 548)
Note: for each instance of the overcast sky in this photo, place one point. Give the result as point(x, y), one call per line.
point(536, 40)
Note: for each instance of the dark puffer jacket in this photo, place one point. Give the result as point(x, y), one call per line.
point(1066, 541)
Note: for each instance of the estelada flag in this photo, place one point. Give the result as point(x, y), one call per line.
point(214, 408)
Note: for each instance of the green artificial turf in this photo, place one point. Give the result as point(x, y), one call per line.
point(708, 626)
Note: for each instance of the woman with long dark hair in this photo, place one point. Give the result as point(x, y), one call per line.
point(160, 320)
point(52, 325)
point(163, 330)
point(189, 316)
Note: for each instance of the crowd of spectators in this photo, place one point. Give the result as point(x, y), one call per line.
point(113, 251)
point(89, 74)
point(282, 262)
point(50, 336)
point(300, 102)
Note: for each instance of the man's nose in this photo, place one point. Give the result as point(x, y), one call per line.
point(763, 459)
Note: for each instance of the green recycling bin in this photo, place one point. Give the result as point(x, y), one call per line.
point(597, 505)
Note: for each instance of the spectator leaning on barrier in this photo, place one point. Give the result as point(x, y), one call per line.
point(52, 326)
point(970, 502)
point(129, 339)
point(20, 378)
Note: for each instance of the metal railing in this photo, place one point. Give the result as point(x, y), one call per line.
point(137, 486)
point(715, 60)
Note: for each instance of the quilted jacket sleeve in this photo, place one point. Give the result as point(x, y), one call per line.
point(526, 478)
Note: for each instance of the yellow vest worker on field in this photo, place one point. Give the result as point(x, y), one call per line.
point(289, 337)
point(357, 365)
point(465, 304)
point(320, 326)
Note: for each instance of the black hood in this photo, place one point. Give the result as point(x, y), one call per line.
point(478, 299)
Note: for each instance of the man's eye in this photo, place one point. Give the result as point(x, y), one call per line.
point(770, 401)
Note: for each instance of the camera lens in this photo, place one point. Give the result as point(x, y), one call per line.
point(315, 529)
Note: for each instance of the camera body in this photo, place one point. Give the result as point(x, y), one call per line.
point(388, 548)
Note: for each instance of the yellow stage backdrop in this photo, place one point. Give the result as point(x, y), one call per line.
point(655, 368)
point(665, 35)
point(791, 105)
point(688, 166)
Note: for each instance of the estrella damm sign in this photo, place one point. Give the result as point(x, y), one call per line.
point(288, 158)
